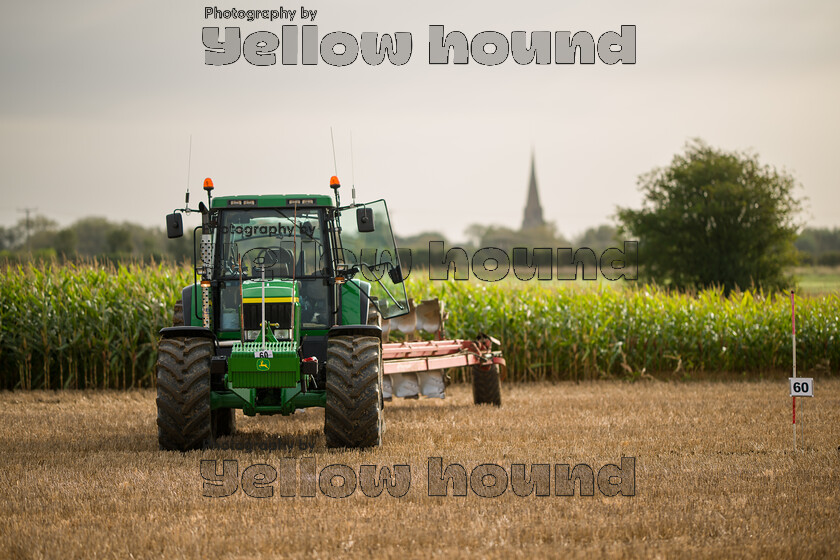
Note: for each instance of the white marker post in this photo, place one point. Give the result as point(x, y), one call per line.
point(793, 338)
point(799, 387)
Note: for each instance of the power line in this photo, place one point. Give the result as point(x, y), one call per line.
point(28, 211)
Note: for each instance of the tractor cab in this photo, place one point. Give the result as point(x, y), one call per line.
point(342, 262)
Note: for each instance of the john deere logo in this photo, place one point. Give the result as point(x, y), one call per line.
point(263, 364)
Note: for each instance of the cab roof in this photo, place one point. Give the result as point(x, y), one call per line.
point(272, 201)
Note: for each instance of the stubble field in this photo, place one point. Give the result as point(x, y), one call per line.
point(714, 476)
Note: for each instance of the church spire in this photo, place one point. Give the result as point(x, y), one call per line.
point(533, 216)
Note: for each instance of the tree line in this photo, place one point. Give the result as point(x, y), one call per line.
point(95, 237)
point(819, 246)
point(40, 237)
point(712, 218)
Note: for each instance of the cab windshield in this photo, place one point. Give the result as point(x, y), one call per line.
point(283, 243)
point(288, 243)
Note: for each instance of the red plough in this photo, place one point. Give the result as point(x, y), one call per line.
point(405, 357)
point(413, 368)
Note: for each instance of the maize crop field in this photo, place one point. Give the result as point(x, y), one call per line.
point(554, 331)
point(95, 326)
point(84, 326)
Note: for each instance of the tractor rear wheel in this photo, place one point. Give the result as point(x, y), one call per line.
point(183, 394)
point(487, 385)
point(353, 416)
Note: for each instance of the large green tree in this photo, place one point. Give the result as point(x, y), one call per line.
point(715, 218)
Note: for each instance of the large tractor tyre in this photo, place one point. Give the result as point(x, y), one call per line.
point(487, 385)
point(353, 416)
point(178, 314)
point(224, 421)
point(183, 394)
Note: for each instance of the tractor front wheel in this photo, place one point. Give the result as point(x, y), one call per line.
point(487, 385)
point(353, 416)
point(183, 394)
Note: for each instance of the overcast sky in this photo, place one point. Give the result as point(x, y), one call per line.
point(99, 100)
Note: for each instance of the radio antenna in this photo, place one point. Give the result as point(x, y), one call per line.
point(335, 165)
point(189, 166)
point(352, 170)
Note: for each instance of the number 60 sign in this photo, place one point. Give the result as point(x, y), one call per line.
point(801, 387)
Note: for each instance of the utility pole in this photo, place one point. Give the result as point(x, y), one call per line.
point(28, 211)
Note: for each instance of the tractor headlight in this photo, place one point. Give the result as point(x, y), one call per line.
point(283, 334)
point(279, 334)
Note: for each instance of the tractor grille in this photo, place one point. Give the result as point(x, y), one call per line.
point(263, 379)
point(275, 313)
point(281, 370)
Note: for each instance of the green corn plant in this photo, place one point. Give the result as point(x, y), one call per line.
point(554, 331)
point(95, 325)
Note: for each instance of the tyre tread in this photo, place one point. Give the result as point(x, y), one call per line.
point(487, 385)
point(353, 416)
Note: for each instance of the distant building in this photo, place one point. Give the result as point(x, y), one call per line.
point(533, 216)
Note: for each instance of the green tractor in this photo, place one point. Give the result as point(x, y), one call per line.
point(277, 317)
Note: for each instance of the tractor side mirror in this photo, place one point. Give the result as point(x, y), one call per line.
point(364, 219)
point(396, 275)
point(174, 225)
